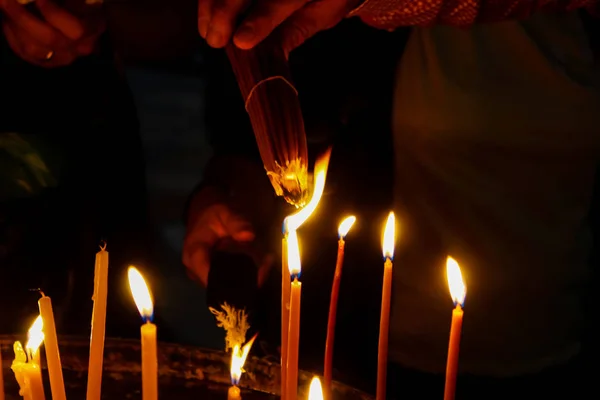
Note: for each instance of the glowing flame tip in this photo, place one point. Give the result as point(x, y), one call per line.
point(238, 359)
point(389, 236)
point(35, 335)
point(141, 293)
point(456, 284)
point(315, 392)
point(345, 226)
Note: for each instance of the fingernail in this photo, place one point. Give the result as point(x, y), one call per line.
point(203, 27)
point(245, 35)
point(214, 38)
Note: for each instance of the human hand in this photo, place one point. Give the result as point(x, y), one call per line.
point(54, 41)
point(297, 20)
point(210, 226)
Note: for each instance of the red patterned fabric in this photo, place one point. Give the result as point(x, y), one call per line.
point(391, 14)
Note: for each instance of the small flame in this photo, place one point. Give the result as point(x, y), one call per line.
point(345, 226)
point(294, 221)
point(293, 254)
point(458, 290)
point(238, 359)
point(315, 392)
point(141, 293)
point(35, 335)
point(389, 237)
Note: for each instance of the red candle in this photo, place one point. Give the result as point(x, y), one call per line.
point(384, 321)
point(458, 291)
point(343, 230)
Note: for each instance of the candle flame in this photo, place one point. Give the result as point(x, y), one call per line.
point(345, 226)
point(389, 237)
point(294, 221)
point(35, 335)
point(293, 254)
point(458, 290)
point(238, 359)
point(315, 392)
point(141, 294)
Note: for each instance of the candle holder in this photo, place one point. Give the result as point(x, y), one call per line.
point(185, 372)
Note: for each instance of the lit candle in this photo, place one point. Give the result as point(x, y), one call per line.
point(384, 321)
point(238, 359)
point(57, 385)
point(315, 392)
point(343, 230)
point(458, 291)
point(94, 384)
point(285, 312)
point(143, 301)
point(26, 366)
point(291, 224)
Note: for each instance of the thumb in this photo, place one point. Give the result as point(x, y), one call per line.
point(314, 17)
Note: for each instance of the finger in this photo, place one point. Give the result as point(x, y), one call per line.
point(65, 22)
point(40, 31)
point(224, 18)
point(264, 269)
point(263, 20)
point(196, 258)
point(204, 12)
point(311, 19)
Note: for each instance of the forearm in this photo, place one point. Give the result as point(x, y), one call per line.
point(391, 14)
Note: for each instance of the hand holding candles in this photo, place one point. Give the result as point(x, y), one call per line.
point(57, 385)
point(343, 230)
point(238, 359)
point(384, 322)
point(458, 291)
point(28, 372)
point(143, 300)
point(98, 325)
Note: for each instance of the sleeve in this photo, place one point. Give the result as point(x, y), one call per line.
point(391, 14)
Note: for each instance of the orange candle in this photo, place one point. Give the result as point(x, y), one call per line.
point(384, 321)
point(57, 384)
point(343, 230)
point(285, 313)
point(143, 300)
point(294, 329)
point(94, 384)
point(26, 364)
point(458, 291)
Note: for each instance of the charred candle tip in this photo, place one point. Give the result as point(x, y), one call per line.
point(38, 290)
point(102, 245)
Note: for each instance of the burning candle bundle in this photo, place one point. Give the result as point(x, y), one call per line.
point(238, 359)
point(272, 103)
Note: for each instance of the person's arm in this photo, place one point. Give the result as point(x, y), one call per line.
point(391, 14)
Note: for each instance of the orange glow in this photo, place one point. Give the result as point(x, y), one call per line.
point(294, 221)
point(238, 359)
point(35, 336)
point(141, 294)
point(457, 287)
point(345, 226)
point(293, 253)
point(315, 392)
point(389, 237)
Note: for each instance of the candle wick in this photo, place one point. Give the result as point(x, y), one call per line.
point(38, 290)
point(103, 245)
